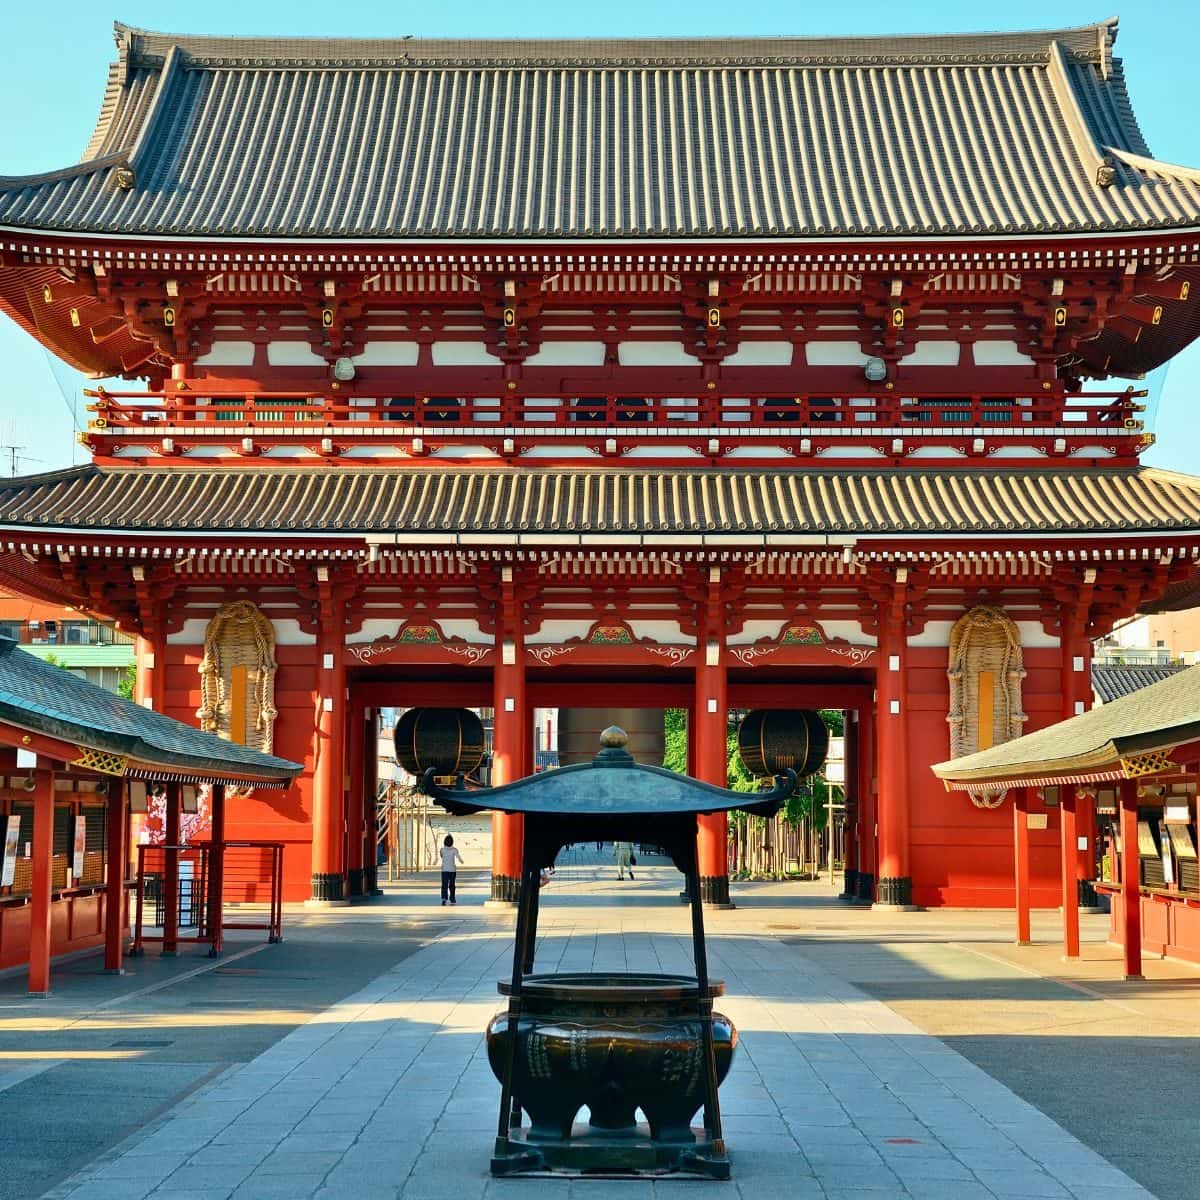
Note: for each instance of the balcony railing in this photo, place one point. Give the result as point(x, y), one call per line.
point(248, 423)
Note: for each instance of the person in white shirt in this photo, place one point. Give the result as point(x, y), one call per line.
point(624, 855)
point(450, 856)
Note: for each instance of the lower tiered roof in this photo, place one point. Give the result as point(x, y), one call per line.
point(420, 502)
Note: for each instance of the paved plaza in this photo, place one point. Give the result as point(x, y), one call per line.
point(349, 1061)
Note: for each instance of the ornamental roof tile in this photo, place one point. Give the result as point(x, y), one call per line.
point(43, 698)
point(1006, 133)
point(1153, 718)
point(416, 501)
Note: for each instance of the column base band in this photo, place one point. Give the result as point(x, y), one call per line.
point(714, 889)
point(894, 891)
point(850, 882)
point(328, 886)
point(506, 888)
point(355, 881)
point(866, 885)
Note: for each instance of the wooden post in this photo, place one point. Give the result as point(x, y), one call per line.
point(329, 803)
point(42, 883)
point(850, 792)
point(114, 882)
point(710, 706)
point(170, 880)
point(216, 871)
point(356, 802)
point(1021, 863)
point(895, 878)
point(511, 742)
point(1131, 892)
point(1070, 861)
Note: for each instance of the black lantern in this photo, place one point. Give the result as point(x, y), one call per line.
point(448, 740)
point(774, 740)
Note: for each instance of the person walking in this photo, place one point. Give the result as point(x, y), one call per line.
point(450, 857)
point(624, 853)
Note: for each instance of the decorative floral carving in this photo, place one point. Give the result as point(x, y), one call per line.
point(675, 654)
point(747, 654)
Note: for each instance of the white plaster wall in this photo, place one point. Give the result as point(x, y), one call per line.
point(1000, 354)
point(1033, 636)
point(292, 354)
point(462, 354)
point(559, 631)
point(761, 354)
point(287, 633)
point(228, 354)
point(667, 632)
point(388, 354)
point(568, 354)
point(654, 354)
point(834, 354)
point(932, 353)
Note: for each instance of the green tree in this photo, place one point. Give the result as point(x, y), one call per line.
point(126, 683)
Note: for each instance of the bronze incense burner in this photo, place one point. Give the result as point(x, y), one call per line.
point(611, 1044)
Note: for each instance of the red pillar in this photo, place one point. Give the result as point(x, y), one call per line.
point(712, 766)
point(329, 819)
point(1021, 863)
point(894, 886)
point(370, 793)
point(1131, 894)
point(512, 740)
point(355, 804)
point(1069, 860)
point(42, 883)
point(851, 792)
point(865, 770)
point(216, 870)
point(114, 882)
point(149, 690)
point(170, 882)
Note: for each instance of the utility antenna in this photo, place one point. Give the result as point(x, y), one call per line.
point(12, 458)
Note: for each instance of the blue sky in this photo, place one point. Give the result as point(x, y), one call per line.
point(57, 56)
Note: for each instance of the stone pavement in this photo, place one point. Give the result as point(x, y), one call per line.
point(833, 1094)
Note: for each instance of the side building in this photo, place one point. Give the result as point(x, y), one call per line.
point(518, 375)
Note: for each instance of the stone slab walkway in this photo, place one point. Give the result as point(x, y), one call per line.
point(388, 1094)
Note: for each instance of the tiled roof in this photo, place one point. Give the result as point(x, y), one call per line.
point(1110, 681)
point(1157, 717)
point(800, 138)
point(46, 699)
point(446, 500)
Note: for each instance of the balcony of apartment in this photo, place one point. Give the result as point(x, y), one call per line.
point(70, 632)
point(880, 427)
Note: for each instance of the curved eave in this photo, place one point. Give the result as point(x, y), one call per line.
point(145, 758)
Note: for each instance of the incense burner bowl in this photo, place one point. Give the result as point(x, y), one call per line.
point(615, 1042)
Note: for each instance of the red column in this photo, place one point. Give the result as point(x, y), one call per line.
point(42, 883)
point(114, 883)
point(356, 766)
point(712, 766)
point(1069, 860)
point(851, 792)
point(1131, 893)
point(894, 886)
point(512, 738)
point(370, 792)
point(149, 690)
point(866, 803)
point(1021, 863)
point(216, 870)
point(170, 881)
point(329, 817)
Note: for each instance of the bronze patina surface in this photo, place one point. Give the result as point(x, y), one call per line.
point(615, 1043)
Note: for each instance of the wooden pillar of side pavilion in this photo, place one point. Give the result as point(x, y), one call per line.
point(1068, 801)
point(1020, 803)
point(1131, 892)
point(41, 897)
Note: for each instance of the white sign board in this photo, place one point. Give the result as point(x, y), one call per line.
point(11, 845)
point(80, 846)
point(834, 772)
point(837, 750)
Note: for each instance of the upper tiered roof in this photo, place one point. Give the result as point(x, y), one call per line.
point(981, 134)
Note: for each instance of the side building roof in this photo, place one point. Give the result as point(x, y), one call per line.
point(46, 699)
point(980, 134)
